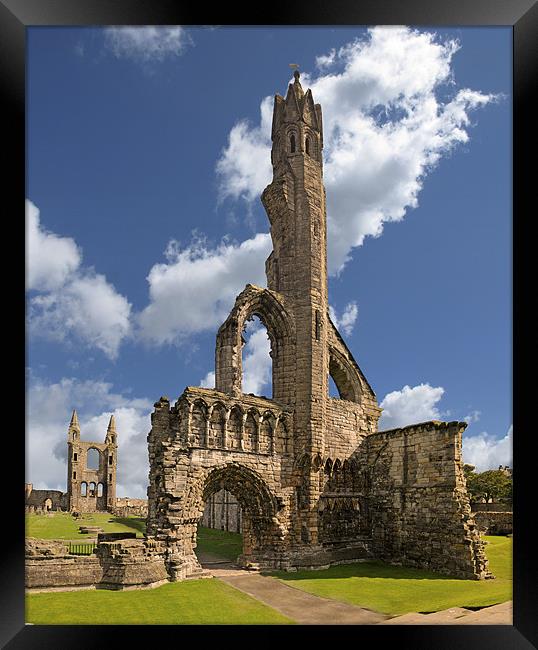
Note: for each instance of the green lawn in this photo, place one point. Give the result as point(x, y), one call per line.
point(398, 590)
point(219, 542)
point(194, 602)
point(61, 525)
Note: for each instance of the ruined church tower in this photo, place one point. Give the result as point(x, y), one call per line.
point(316, 482)
point(297, 267)
point(91, 489)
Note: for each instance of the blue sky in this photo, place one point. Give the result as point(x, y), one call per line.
point(147, 151)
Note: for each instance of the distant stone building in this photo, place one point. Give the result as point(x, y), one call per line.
point(91, 487)
point(44, 500)
point(223, 512)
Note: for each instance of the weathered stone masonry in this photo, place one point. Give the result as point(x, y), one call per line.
point(316, 482)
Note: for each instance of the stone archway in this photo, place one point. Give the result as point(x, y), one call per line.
point(261, 529)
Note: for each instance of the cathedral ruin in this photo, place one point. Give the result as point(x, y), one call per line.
point(316, 482)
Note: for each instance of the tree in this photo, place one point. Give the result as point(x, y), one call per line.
point(493, 484)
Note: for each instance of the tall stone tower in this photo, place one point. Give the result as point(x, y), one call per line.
point(297, 267)
point(91, 489)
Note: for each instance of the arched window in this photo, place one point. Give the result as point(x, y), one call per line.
point(83, 489)
point(307, 145)
point(99, 489)
point(292, 143)
point(257, 363)
point(235, 428)
point(92, 489)
point(92, 458)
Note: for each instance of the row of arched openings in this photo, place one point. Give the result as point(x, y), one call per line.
point(91, 490)
point(250, 432)
point(309, 146)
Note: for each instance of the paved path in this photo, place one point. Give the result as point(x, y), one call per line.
point(307, 609)
point(494, 615)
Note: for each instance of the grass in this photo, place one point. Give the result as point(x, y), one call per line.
point(61, 525)
point(194, 602)
point(374, 585)
point(219, 542)
point(398, 590)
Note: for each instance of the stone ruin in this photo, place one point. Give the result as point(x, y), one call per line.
point(316, 482)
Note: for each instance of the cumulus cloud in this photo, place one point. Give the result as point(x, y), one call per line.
point(385, 128)
point(49, 408)
point(410, 406)
point(485, 451)
point(70, 301)
point(257, 363)
point(195, 290)
point(51, 259)
point(146, 44)
point(244, 168)
point(474, 416)
point(346, 321)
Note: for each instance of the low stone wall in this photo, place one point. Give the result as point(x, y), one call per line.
point(118, 564)
point(491, 507)
point(494, 523)
point(67, 571)
point(130, 563)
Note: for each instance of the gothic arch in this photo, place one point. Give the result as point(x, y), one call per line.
point(259, 505)
point(254, 301)
point(344, 375)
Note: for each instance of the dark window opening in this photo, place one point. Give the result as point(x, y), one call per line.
point(307, 145)
point(318, 325)
point(110, 477)
point(75, 456)
point(110, 460)
point(292, 143)
point(74, 475)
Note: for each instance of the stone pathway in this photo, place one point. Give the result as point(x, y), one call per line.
point(494, 615)
point(307, 609)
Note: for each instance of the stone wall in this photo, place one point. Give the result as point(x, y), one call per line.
point(127, 507)
point(45, 500)
point(117, 564)
point(494, 523)
point(418, 503)
point(491, 507)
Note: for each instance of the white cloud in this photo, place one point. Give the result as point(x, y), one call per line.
point(70, 302)
point(346, 322)
point(195, 290)
point(146, 44)
point(50, 259)
point(410, 406)
point(49, 408)
point(209, 380)
point(385, 129)
point(474, 416)
point(257, 363)
point(244, 168)
point(484, 451)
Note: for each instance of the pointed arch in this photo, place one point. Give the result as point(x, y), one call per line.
point(281, 331)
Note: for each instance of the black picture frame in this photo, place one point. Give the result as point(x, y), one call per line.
point(522, 15)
